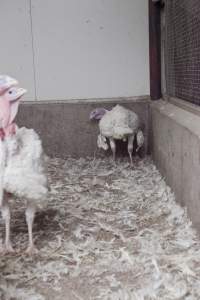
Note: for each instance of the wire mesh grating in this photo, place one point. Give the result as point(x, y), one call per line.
point(182, 49)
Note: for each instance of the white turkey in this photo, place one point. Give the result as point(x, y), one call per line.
point(22, 168)
point(118, 124)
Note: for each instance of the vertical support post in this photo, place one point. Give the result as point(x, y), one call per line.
point(155, 49)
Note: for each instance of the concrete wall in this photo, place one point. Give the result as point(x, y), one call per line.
point(176, 152)
point(68, 49)
point(65, 128)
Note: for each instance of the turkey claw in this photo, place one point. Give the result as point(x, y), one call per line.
point(31, 250)
point(7, 249)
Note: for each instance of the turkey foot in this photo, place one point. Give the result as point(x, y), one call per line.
point(7, 249)
point(31, 250)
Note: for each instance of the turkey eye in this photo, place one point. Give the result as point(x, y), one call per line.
point(10, 92)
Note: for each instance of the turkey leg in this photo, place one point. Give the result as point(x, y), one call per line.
point(5, 210)
point(113, 147)
point(130, 147)
point(30, 214)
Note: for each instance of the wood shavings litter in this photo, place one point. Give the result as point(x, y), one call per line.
point(109, 232)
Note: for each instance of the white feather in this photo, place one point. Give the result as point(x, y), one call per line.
point(2, 168)
point(24, 173)
point(140, 139)
point(101, 142)
point(119, 123)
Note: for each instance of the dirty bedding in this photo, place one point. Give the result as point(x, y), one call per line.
point(109, 232)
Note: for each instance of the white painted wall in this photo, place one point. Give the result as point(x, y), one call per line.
point(16, 56)
point(81, 48)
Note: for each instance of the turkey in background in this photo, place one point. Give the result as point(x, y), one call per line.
point(118, 124)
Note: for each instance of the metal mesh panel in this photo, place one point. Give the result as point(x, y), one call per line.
point(182, 49)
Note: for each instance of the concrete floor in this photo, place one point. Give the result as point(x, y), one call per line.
point(109, 232)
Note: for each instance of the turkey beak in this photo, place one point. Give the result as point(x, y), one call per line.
point(19, 94)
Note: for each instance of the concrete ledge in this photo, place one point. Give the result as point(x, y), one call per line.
point(188, 106)
point(176, 152)
point(65, 128)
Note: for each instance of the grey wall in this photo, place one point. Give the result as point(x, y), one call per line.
point(176, 152)
point(65, 128)
point(67, 49)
